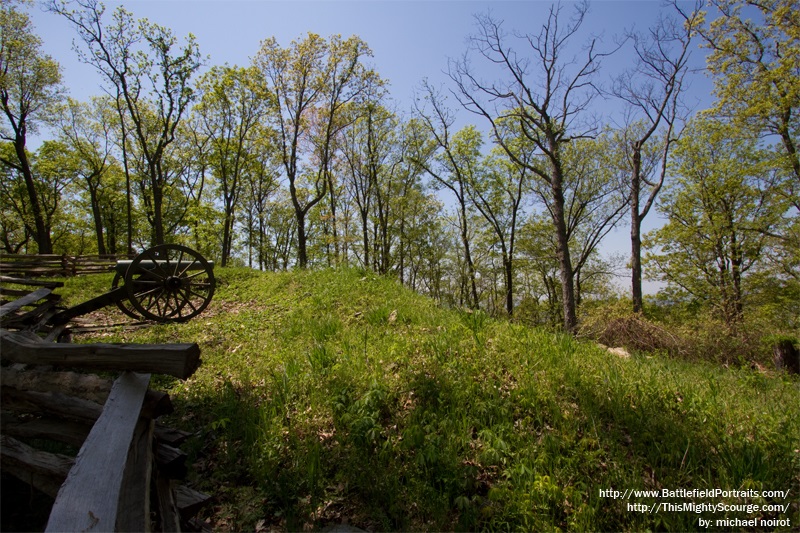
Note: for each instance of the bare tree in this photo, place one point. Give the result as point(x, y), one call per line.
point(546, 97)
point(652, 91)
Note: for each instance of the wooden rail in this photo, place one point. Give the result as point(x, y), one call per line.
point(53, 265)
point(124, 476)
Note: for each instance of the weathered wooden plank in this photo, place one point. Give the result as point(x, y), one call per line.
point(5, 291)
point(53, 403)
point(172, 436)
point(86, 386)
point(57, 429)
point(42, 470)
point(168, 513)
point(34, 256)
point(50, 398)
point(179, 360)
point(55, 333)
point(33, 297)
point(84, 504)
point(32, 282)
point(33, 314)
point(133, 512)
point(190, 501)
point(171, 460)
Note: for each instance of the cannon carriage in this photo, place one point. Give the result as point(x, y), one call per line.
point(165, 283)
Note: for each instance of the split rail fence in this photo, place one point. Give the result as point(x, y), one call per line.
point(57, 266)
point(126, 474)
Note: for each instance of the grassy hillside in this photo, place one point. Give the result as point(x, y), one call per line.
point(329, 397)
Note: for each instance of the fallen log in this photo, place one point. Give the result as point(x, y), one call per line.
point(171, 460)
point(32, 282)
point(167, 507)
point(178, 360)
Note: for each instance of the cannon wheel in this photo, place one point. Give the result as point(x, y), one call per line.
point(123, 303)
point(169, 283)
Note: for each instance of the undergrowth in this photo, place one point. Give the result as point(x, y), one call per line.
point(328, 397)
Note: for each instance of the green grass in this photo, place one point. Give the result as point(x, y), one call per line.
point(326, 396)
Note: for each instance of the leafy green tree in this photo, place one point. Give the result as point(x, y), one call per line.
point(54, 168)
point(312, 80)
point(87, 131)
point(718, 209)
point(755, 61)
point(595, 200)
point(452, 168)
point(348, 83)
point(540, 289)
point(14, 232)
point(367, 145)
point(29, 86)
point(497, 193)
point(151, 75)
point(261, 184)
point(229, 112)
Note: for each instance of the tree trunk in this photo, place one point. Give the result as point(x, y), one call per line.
point(636, 231)
point(302, 257)
point(98, 218)
point(468, 256)
point(509, 274)
point(787, 357)
point(564, 260)
point(158, 217)
point(365, 231)
point(42, 233)
point(636, 262)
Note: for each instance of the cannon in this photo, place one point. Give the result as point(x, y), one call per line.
point(165, 283)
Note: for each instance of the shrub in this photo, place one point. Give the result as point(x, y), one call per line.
point(615, 325)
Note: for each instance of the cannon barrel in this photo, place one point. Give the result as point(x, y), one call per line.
point(175, 266)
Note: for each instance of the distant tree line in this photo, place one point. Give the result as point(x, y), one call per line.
point(301, 158)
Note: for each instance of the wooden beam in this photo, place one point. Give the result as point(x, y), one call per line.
point(178, 360)
point(57, 429)
point(42, 470)
point(133, 512)
point(34, 314)
point(168, 513)
point(172, 436)
point(190, 501)
point(52, 403)
point(32, 282)
point(33, 297)
point(84, 503)
point(86, 386)
point(171, 460)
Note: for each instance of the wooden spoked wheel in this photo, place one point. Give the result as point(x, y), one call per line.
point(169, 283)
point(123, 303)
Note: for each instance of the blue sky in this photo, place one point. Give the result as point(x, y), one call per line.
point(410, 40)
